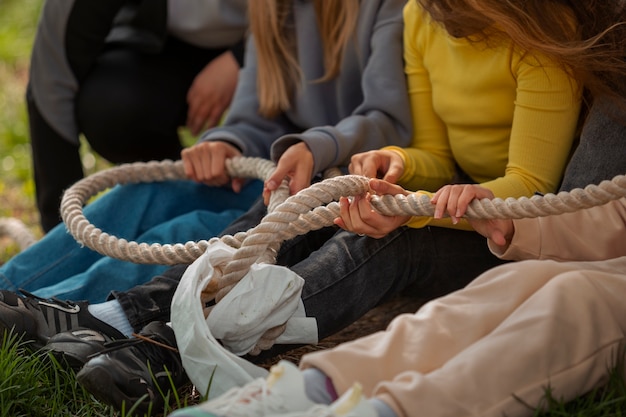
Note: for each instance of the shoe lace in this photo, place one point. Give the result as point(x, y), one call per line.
point(153, 351)
point(137, 339)
point(52, 300)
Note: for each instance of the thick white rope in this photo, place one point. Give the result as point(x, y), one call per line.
point(512, 208)
point(17, 231)
point(168, 254)
point(310, 209)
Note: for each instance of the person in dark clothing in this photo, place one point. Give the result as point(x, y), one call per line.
point(126, 74)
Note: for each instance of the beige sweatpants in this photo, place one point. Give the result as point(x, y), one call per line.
point(492, 348)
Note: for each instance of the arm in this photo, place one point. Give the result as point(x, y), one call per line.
point(369, 101)
point(591, 234)
point(547, 106)
point(244, 128)
point(381, 117)
point(211, 92)
point(428, 163)
point(238, 51)
point(245, 132)
point(514, 152)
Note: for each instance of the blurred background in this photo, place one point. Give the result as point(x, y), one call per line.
point(18, 21)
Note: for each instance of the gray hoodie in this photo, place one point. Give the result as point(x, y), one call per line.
point(366, 107)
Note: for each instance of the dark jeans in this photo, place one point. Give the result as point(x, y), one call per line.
point(345, 275)
point(129, 105)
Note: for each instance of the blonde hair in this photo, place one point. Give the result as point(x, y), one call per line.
point(585, 37)
point(279, 74)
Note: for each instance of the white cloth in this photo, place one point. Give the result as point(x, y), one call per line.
point(267, 296)
point(208, 24)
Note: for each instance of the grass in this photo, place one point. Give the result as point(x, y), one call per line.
point(17, 20)
point(31, 384)
point(36, 385)
point(606, 401)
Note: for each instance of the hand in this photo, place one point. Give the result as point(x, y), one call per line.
point(499, 231)
point(205, 162)
point(359, 216)
point(387, 165)
point(211, 92)
point(296, 163)
point(454, 199)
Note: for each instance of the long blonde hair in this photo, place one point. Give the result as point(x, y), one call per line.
point(279, 74)
point(586, 37)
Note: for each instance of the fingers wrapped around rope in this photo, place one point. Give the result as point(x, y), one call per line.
point(75, 198)
point(297, 215)
point(511, 208)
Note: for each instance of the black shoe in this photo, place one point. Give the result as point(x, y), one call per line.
point(37, 319)
point(140, 371)
point(76, 347)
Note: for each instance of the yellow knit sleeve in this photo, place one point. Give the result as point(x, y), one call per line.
point(547, 106)
point(506, 118)
point(429, 163)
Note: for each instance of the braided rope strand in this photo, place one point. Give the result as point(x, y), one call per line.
point(167, 254)
point(511, 208)
point(311, 209)
point(17, 231)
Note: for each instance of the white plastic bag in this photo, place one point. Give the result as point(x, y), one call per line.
point(267, 296)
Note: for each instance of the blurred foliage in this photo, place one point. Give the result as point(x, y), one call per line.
point(18, 20)
point(18, 23)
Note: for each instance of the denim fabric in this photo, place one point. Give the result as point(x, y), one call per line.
point(151, 300)
point(166, 212)
point(352, 274)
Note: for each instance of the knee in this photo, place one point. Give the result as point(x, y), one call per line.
point(573, 297)
point(106, 116)
point(568, 285)
point(118, 127)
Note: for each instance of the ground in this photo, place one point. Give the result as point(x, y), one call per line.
point(375, 320)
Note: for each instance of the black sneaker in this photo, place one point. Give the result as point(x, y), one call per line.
point(138, 372)
point(76, 347)
point(37, 319)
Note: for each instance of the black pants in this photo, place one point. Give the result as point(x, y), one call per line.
point(129, 106)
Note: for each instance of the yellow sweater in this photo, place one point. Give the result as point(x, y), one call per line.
point(506, 119)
